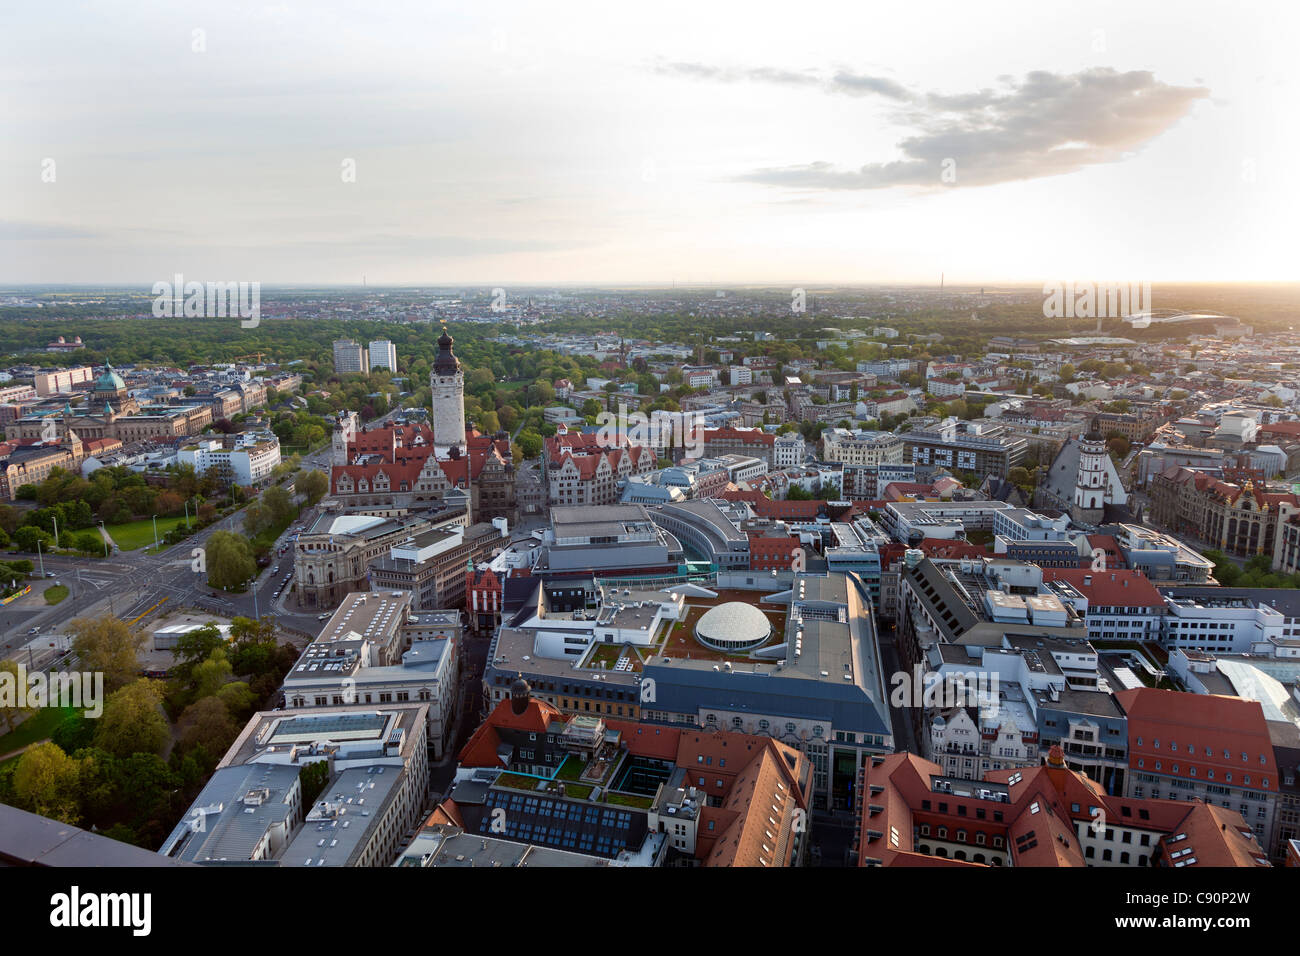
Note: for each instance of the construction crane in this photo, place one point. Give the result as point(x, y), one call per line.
point(255, 356)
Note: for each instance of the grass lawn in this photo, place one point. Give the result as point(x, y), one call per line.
point(137, 534)
point(571, 769)
point(628, 800)
point(36, 727)
point(577, 791)
point(56, 593)
point(518, 781)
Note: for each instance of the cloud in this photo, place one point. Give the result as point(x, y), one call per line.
point(857, 84)
point(448, 245)
point(718, 74)
point(35, 231)
point(1046, 124)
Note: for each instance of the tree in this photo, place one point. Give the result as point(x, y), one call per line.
point(87, 542)
point(207, 724)
point(11, 715)
point(211, 674)
point(279, 505)
point(107, 645)
point(530, 443)
point(256, 519)
point(1020, 477)
point(45, 782)
point(133, 721)
point(313, 777)
point(230, 560)
point(313, 485)
point(196, 646)
point(27, 537)
point(508, 416)
point(237, 698)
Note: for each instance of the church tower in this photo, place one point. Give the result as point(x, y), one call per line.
point(1090, 485)
point(447, 383)
point(345, 432)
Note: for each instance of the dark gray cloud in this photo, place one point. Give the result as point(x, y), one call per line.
point(1046, 124)
point(857, 84)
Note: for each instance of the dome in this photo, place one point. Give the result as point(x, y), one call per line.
point(733, 626)
point(520, 692)
point(110, 381)
point(445, 363)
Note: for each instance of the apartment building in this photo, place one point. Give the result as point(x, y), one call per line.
point(374, 652)
point(350, 357)
point(979, 448)
point(861, 448)
point(245, 464)
point(52, 381)
point(1046, 816)
point(383, 354)
point(1192, 746)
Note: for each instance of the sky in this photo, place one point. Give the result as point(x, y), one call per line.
point(648, 143)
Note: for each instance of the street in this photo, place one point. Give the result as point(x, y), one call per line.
point(130, 583)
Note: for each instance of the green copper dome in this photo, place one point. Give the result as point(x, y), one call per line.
point(110, 381)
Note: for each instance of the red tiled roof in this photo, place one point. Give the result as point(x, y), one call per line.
point(481, 748)
point(1117, 588)
point(1186, 726)
point(755, 437)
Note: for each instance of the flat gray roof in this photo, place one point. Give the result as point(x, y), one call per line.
point(27, 839)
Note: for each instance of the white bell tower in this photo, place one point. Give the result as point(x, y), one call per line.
point(1090, 485)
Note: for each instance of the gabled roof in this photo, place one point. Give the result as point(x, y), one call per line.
point(483, 747)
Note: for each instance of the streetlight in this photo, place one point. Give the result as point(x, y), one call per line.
point(104, 536)
point(55, 519)
point(155, 532)
point(39, 558)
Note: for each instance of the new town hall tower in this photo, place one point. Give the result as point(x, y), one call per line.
point(447, 383)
